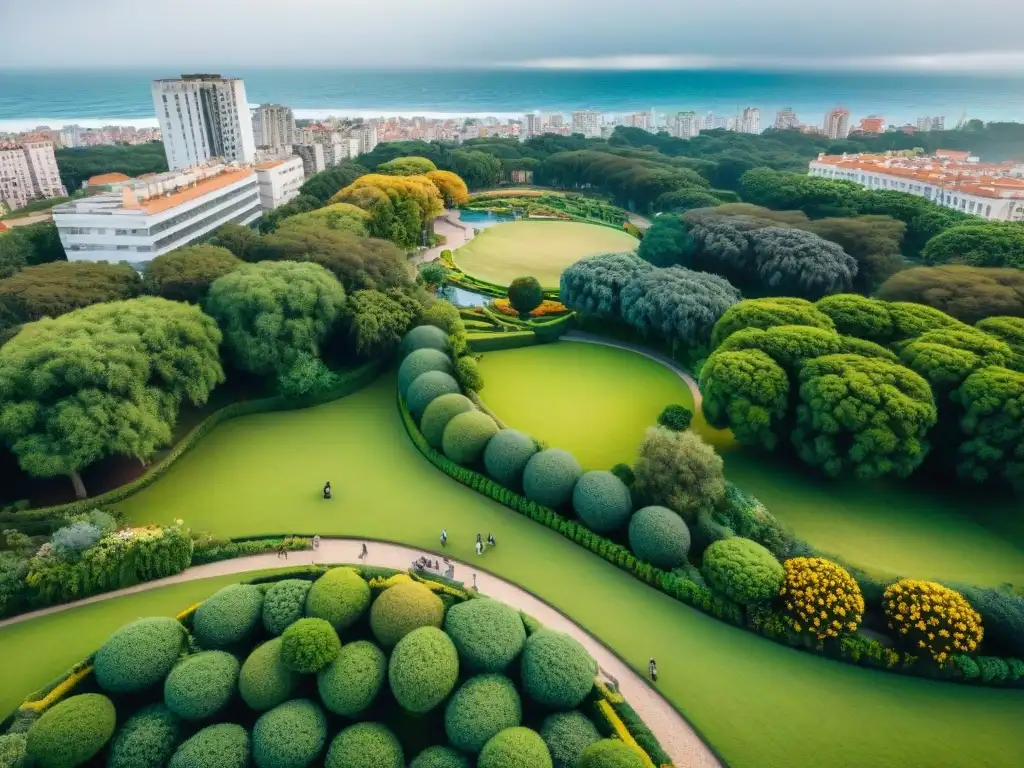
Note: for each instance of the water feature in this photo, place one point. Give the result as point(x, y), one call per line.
point(484, 219)
point(460, 297)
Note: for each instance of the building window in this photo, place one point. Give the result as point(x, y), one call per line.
point(988, 211)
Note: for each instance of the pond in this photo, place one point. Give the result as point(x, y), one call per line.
point(484, 219)
point(460, 297)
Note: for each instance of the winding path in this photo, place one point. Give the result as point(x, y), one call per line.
point(677, 738)
point(455, 233)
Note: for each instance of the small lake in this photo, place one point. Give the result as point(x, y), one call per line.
point(460, 297)
point(484, 219)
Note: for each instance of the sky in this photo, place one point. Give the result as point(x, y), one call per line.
point(934, 35)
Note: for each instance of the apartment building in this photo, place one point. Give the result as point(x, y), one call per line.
point(587, 123)
point(273, 126)
point(786, 120)
point(279, 181)
point(28, 171)
point(750, 121)
point(312, 156)
point(837, 123)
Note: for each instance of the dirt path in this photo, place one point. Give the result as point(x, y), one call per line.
point(455, 236)
point(676, 736)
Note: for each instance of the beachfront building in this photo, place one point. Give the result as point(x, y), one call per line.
point(750, 121)
point(837, 123)
point(872, 124)
point(312, 156)
point(279, 181)
point(273, 126)
point(587, 123)
point(143, 218)
point(28, 171)
point(531, 124)
point(950, 179)
point(202, 118)
point(786, 120)
point(366, 135)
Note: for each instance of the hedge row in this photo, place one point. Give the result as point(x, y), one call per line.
point(493, 342)
point(227, 550)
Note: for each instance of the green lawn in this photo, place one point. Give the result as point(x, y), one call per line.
point(542, 249)
point(590, 400)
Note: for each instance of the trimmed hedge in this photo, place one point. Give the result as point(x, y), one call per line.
point(440, 411)
point(494, 342)
point(225, 745)
point(265, 681)
point(550, 477)
point(426, 388)
point(439, 757)
point(423, 670)
point(351, 683)
point(72, 732)
point(567, 734)
point(229, 616)
point(487, 634)
point(309, 645)
point(147, 739)
point(365, 745)
point(419, 362)
point(291, 735)
point(610, 753)
point(743, 570)
point(659, 536)
point(506, 456)
point(400, 609)
point(139, 655)
point(201, 685)
point(481, 708)
point(557, 671)
point(515, 748)
point(340, 596)
point(602, 501)
point(284, 603)
point(467, 435)
point(423, 337)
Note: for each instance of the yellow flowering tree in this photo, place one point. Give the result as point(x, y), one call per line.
point(933, 618)
point(820, 597)
point(451, 186)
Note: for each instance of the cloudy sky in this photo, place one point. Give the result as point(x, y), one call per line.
point(880, 34)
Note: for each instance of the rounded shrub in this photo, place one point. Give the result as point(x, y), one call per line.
point(567, 734)
point(291, 735)
point(309, 645)
point(284, 604)
point(423, 337)
point(625, 473)
point(72, 732)
point(742, 570)
point(439, 757)
point(525, 294)
point(229, 616)
point(506, 456)
point(515, 748)
point(820, 597)
point(557, 671)
point(659, 536)
point(487, 634)
point(482, 707)
point(610, 753)
point(440, 411)
point(12, 750)
point(201, 685)
point(146, 739)
point(467, 435)
point(340, 596)
point(350, 684)
point(419, 362)
point(932, 618)
point(401, 609)
point(265, 681)
point(139, 655)
point(675, 417)
point(365, 745)
point(423, 670)
point(426, 388)
point(602, 501)
point(550, 476)
point(225, 745)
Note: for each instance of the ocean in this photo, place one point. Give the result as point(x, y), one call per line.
point(49, 97)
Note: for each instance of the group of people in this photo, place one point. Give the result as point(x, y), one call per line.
point(479, 541)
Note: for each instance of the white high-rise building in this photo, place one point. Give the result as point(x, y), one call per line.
point(587, 123)
point(931, 123)
point(786, 120)
point(642, 120)
point(28, 171)
point(837, 123)
point(273, 125)
point(686, 125)
point(751, 120)
point(367, 135)
point(531, 124)
point(203, 117)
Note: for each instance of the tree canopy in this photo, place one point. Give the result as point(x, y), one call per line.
point(793, 262)
point(992, 403)
point(967, 293)
point(680, 471)
point(241, 241)
point(324, 185)
point(340, 216)
point(978, 243)
point(767, 313)
point(478, 169)
point(62, 286)
point(667, 242)
point(593, 286)
point(186, 274)
point(401, 207)
point(451, 186)
point(379, 320)
point(407, 166)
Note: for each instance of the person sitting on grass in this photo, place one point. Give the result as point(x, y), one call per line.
point(490, 540)
point(327, 489)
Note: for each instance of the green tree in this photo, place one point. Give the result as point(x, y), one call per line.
point(525, 295)
point(478, 169)
point(15, 253)
point(873, 241)
point(978, 244)
point(343, 216)
point(406, 166)
point(666, 243)
point(379, 321)
point(45, 242)
point(324, 185)
point(680, 471)
point(858, 316)
point(767, 313)
point(301, 204)
point(62, 286)
point(793, 262)
point(187, 273)
point(967, 293)
point(748, 392)
point(593, 286)
point(241, 241)
point(78, 164)
point(992, 403)
point(434, 273)
point(682, 200)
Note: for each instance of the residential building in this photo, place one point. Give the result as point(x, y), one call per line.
point(872, 124)
point(367, 137)
point(931, 123)
point(750, 122)
point(955, 180)
point(273, 125)
point(642, 120)
point(28, 171)
point(557, 120)
point(786, 120)
point(157, 213)
point(531, 124)
point(587, 123)
point(686, 125)
point(837, 123)
point(202, 118)
point(279, 181)
point(312, 156)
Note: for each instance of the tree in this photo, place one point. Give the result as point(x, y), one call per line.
point(241, 241)
point(407, 166)
point(1010, 330)
point(379, 321)
point(666, 243)
point(768, 313)
point(593, 286)
point(858, 316)
point(62, 286)
point(873, 241)
point(478, 169)
point(978, 244)
point(992, 403)
point(434, 273)
point(680, 471)
point(525, 295)
point(301, 204)
point(451, 186)
point(78, 164)
point(675, 417)
point(273, 312)
point(15, 253)
point(944, 357)
point(45, 242)
point(791, 191)
point(967, 293)
point(186, 274)
point(412, 200)
point(682, 200)
point(324, 185)
point(793, 262)
point(340, 216)
point(748, 392)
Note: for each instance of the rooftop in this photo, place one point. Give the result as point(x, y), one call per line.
point(203, 187)
point(107, 178)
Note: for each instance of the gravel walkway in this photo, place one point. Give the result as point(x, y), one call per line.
point(676, 736)
point(455, 235)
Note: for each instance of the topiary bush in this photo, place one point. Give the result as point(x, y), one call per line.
point(932, 618)
point(291, 735)
point(820, 597)
point(659, 536)
point(225, 745)
point(423, 670)
point(602, 501)
point(567, 734)
point(675, 417)
point(426, 388)
point(742, 570)
point(487, 634)
point(340, 596)
point(525, 294)
point(12, 750)
point(439, 757)
point(506, 456)
point(229, 616)
point(557, 671)
point(515, 748)
point(482, 707)
point(419, 362)
point(309, 645)
point(400, 609)
point(610, 753)
point(147, 739)
point(72, 732)
point(365, 745)
point(139, 655)
point(440, 411)
point(550, 476)
point(284, 603)
point(265, 681)
point(467, 435)
point(201, 685)
point(423, 337)
point(625, 473)
point(350, 684)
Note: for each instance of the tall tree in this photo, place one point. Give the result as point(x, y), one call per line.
point(62, 286)
point(187, 273)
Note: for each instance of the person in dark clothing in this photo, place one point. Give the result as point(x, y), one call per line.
point(363, 552)
point(652, 670)
point(490, 540)
point(327, 489)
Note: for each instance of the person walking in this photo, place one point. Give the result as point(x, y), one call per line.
point(475, 588)
point(363, 552)
point(444, 537)
point(490, 540)
point(327, 489)
point(316, 541)
point(479, 547)
point(282, 552)
point(479, 539)
point(652, 670)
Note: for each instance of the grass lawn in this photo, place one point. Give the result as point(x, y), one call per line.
point(590, 400)
point(542, 249)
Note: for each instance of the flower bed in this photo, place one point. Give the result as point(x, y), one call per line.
point(547, 308)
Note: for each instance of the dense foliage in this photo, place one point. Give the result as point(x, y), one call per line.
point(365, 745)
point(967, 293)
point(743, 570)
point(602, 501)
point(566, 735)
point(525, 295)
point(49, 290)
point(441, 411)
point(820, 597)
point(992, 402)
point(340, 596)
point(309, 645)
point(659, 536)
point(507, 455)
point(284, 603)
point(426, 388)
point(72, 732)
point(978, 244)
point(225, 745)
point(146, 739)
point(557, 672)
point(265, 681)
point(139, 655)
point(675, 417)
point(678, 470)
point(516, 747)
point(467, 435)
point(79, 164)
point(201, 685)
point(400, 609)
point(350, 684)
point(594, 285)
point(550, 477)
point(487, 634)
point(228, 616)
point(423, 670)
point(421, 361)
point(609, 753)
point(931, 618)
point(482, 706)
point(186, 274)
point(291, 735)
